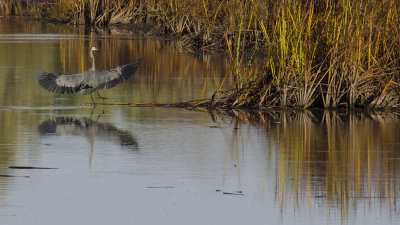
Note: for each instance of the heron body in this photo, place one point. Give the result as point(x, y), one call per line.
point(88, 82)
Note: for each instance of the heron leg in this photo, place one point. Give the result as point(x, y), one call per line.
point(100, 96)
point(91, 112)
point(98, 116)
point(91, 97)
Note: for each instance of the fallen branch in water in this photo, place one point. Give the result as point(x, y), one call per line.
point(202, 103)
point(155, 187)
point(30, 168)
point(3, 175)
point(232, 193)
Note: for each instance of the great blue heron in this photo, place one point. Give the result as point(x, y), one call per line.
point(88, 82)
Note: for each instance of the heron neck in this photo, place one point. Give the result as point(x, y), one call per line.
point(92, 56)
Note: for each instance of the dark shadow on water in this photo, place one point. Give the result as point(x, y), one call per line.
point(88, 128)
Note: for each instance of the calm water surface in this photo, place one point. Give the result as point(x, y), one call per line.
point(125, 165)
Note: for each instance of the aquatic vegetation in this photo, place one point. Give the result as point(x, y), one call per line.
point(331, 54)
point(312, 53)
point(12, 7)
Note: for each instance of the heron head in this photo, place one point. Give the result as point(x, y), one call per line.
point(93, 48)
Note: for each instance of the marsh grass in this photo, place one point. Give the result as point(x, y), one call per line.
point(302, 54)
point(336, 54)
point(12, 7)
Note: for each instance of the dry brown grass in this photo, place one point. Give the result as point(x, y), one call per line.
point(341, 54)
point(12, 7)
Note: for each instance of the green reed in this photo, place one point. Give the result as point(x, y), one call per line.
point(344, 55)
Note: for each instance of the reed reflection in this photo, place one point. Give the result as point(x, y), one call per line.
point(90, 129)
point(346, 162)
point(164, 75)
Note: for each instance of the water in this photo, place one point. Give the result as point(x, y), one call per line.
point(129, 165)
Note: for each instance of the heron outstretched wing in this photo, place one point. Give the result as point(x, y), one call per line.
point(60, 84)
point(109, 78)
point(88, 82)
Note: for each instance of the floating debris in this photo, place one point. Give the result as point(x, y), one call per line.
point(233, 193)
point(160, 187)
point(320, 196)
point(217, 127)
point(3, 175)
point(31, 168)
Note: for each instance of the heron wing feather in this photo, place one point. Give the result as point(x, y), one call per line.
point(60, 84)
point(109, 78)
point(88, 82)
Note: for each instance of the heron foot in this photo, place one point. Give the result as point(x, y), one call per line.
point(98, 116)
point(92, 112)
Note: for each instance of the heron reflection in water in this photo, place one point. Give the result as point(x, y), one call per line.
point(90, 129)
point(88, 82)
